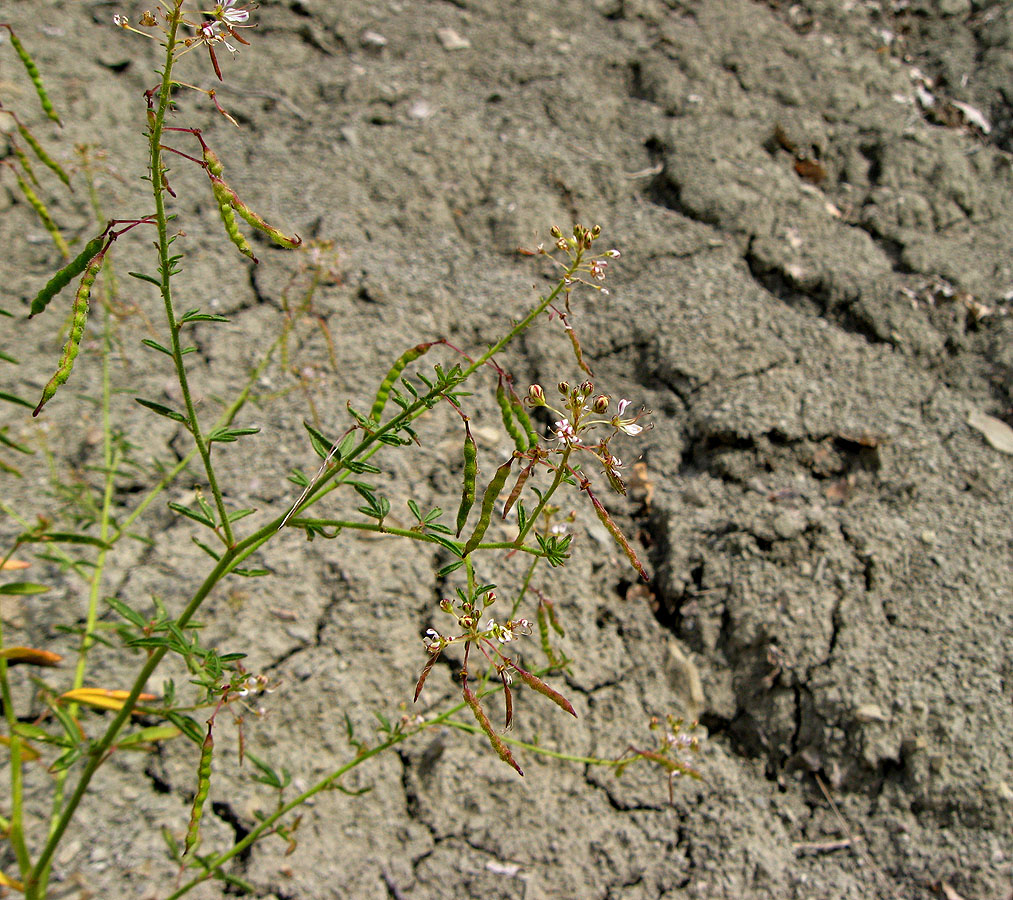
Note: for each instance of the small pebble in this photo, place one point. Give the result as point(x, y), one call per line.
point(373, 40)
point(451, 40)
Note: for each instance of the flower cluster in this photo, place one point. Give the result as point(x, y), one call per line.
point(595, 266)
point(584, 412)
point(215, 27)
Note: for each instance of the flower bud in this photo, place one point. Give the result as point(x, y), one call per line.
point(490, 598)
point(555, 232)
point(536, 396)
point(586, 388)
point(601, 403)
point(563, 387)
point(446, 605)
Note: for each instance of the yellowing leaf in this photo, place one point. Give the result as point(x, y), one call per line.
point(11, 565)
point(102, 698)
point(28, 753)
point(30, 656)
point(6, 881)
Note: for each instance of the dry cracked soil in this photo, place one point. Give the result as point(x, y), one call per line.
point(813, 203)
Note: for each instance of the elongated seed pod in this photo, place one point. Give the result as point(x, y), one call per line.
point(47, 220)
point(488, 501)
point(290, 243)
point(62, 278)
point(516, 492)
point(203, 789)
point(470, 474)
point(78, 322)
point(536, 684)
point(522, 416)
point(387, 384)
point(577, 351)
point(224, 200)
point(33, 74)
point(497, 743)
point(26, 163)
point(44, 157)
point(617, 535)
point(509, 420)
point(426, 669)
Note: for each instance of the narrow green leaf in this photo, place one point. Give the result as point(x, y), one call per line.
point(162, 410)
point(13, 398)
point(154, 345)
point(321, 444)
point(149, 735)
point(128, 612)
point(191, 514)
point(21, 588)
point(230, 435)
point(149, 278)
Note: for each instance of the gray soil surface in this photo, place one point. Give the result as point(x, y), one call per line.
point(813, 202)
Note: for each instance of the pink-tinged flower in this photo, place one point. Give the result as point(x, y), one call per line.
point(228, 13)
point(208, 31)
point(597, 269)
point(433, 640)
point(563, 431)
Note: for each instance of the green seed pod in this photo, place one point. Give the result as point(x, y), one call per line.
point(525, 420)
point(44, 216)
point(289, 243)
point(62, 278)
point(33, 74)
point(78, 322)
point(223, 195)
point(44, 157)
point(470, 474)
point(26, 163)
point(509, 422)
point(488, 502)
point(203, 789)
point(213, 163)
point(387, 384)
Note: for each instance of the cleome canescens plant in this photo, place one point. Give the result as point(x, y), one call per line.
point(486, 623)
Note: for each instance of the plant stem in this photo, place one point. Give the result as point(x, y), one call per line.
point(167, 268)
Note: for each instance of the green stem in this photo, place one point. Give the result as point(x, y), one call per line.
point(556, 482)
point(472, 728)
point(15, 828)
point(167, 268)
point(111, 459)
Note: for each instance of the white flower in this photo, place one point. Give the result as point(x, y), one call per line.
point(565, 433)
point(627, 425)
point(231, 15)
point(122, 21)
